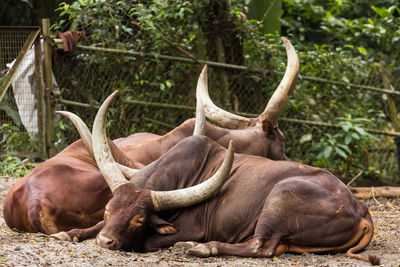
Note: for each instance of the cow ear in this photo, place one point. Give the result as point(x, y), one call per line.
point(268, 128)
point(163, 227)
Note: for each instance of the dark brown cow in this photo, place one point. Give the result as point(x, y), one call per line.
point(67, 191)
point(265, 207)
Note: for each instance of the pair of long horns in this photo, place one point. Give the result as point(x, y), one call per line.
point(86, 137)
point(161, 200)
point(274, 107)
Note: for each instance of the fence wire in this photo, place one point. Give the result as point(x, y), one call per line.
point(18, 102)
point(155, 97)
point(158, 94)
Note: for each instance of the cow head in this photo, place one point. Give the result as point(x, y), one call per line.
point(131, 212)
point(263, 129)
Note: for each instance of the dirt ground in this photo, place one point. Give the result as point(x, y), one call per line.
point(23, 249)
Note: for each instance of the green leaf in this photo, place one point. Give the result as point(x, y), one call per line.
point(347, 139)
point(168, 83)
point(320, 155)
point(13, 114)
point(346, 127)
point(391, 9)
point(360, 131)
point(328, 151)
point(345, 148)
point(355, 136)
point(378, 10)
point(362, 50)
point(162, 87)
point(340, 152)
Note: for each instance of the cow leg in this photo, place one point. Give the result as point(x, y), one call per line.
point(79, 235)
point(254, 247)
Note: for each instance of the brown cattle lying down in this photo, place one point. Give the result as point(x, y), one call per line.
point(68, 191)
point(264, 208)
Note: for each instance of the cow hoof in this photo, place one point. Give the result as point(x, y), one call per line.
point(62, 236)
point(203, 251)
point(185, 245)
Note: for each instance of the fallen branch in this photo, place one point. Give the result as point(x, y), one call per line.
point(355, 178)
point(373, 192)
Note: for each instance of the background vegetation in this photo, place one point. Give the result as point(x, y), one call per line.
point(341, 40)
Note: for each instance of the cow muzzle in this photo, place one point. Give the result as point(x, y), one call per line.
point(105, 241)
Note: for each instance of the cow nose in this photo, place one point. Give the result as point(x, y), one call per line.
point(105, 242)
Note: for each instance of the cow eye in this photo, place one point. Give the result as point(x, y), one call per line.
point(137, 220)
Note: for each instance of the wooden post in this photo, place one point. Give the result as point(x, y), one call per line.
point(50, 136)
point(40, 99)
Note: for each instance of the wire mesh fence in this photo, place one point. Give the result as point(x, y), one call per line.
point(157, 94)
point(18, 105)
point(10, 44)
point(157, 97)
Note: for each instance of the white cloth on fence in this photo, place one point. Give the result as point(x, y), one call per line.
point(24, 89)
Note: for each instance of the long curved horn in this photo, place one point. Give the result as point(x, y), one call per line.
point(200, 125)
point(214, 113)
point(86, 137)
point(164, 200)
point(126, 171)
point(102, 153)
point(281, 95)
point(82, 128)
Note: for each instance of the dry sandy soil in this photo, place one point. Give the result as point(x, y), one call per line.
point(22, 249)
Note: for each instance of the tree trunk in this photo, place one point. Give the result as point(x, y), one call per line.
point(223, 45)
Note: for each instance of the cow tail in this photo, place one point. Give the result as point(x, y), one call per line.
point(367, 228)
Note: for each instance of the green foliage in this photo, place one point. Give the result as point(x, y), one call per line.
point(376, 36)
point(15, 167)
point(16, 140)
point(27, 12)
point(344, 40)
point(153, 25)
point(341, 40)
point(370, 28)
point(268, 12)
point(12, 113)
point(346, 149)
